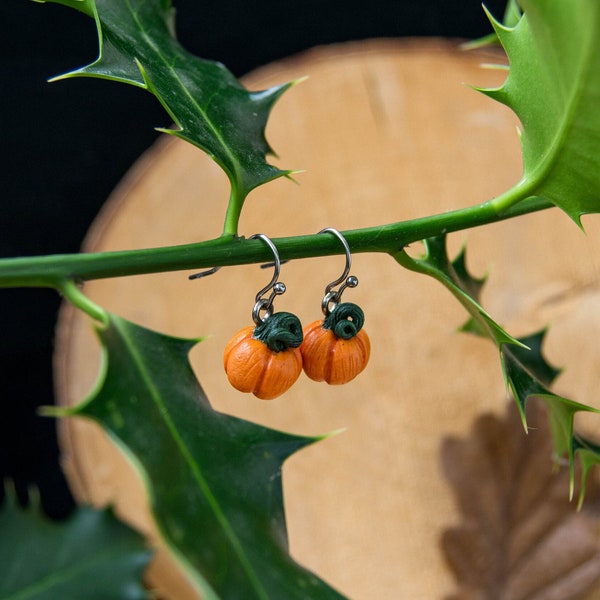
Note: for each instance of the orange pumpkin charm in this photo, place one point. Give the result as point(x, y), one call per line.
point(336, 349)
point(265, 360)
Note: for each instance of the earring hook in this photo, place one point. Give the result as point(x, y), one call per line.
point(263, 304)
point(204, 273)
point(333, 297)
point(278, 287)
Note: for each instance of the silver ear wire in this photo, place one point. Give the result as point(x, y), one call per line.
point(276, 287)
point(204, 273)
point(262, 304)
point(215, 269)
point(333, 297)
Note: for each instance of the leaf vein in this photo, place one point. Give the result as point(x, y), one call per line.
point(146, 376)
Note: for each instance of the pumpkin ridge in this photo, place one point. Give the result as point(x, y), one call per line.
point(234, 343)
point(260, 379)
point(363, 342)
point(329, 356)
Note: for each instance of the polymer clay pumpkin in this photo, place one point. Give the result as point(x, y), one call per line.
point(265, 359)
point(337, 348)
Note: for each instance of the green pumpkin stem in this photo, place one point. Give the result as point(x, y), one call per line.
point(345, 320)
point(280, 331)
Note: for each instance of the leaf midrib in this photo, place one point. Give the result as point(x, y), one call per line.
point(57, 577)
point(162, 58)
point(542, 171)
point(154, 393)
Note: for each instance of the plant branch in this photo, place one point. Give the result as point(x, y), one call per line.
point(72, 293)
point(227, 250)
point(234, 210)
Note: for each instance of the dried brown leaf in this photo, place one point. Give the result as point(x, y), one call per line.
point(520, 537)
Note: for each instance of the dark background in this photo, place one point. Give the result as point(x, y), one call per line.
point(65, 145)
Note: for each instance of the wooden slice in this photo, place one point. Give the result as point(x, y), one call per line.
point(384, 131)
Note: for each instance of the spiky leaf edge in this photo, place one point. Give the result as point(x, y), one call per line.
point(526, 372)
point(548, 61)
point(280, 445)
point(211, 109)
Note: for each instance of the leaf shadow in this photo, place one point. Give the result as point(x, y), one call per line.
point(520, 538)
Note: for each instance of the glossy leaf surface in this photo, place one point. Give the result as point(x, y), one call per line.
point(214, 481)
point(91, 555)
point(209, 106)
point(553, 86)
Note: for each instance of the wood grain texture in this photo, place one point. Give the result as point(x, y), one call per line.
point(385, 131)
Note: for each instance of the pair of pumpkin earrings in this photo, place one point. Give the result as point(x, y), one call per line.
point(267, 358)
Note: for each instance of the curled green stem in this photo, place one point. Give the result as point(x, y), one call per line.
point(345, 320)
point(280, 331)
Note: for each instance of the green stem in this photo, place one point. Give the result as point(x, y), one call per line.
point(234, 211)
point(76, 297)
point(53, 270)
point(513, 196)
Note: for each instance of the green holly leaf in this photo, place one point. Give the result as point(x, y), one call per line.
point(553, 86)
point(90, 555)
point(529, 375)
point(526, 371)
point(530, 357)
point(512, 15)
point(214, 481)
point(466, 289)
point(210, 107)
point(588, 453)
